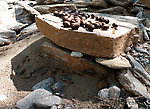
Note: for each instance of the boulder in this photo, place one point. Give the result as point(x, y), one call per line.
point(39, 97)
point(7, 36)
point(133, 85)
point(116, 63)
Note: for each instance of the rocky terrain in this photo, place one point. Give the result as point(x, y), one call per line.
point(36, 73)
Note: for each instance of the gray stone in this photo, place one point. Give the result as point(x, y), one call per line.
point(43, 84)
point(136, 38)
point(123, 3)
point(133, 85)
point(139, 14)
point(103, 93)
point(116, 63)
point(76, 54)
point(146, 22)
point(149, 34)
point(131, 103)
point(28, 8)
point(58, 86)
point(27, 31)
point(117, 10)
point(114, 92)
point(22, 15)
point(134, 10)
point(48, 88)
point(7, 36)
point(39, 96)
point(99, 4)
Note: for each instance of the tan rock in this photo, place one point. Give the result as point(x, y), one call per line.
point(99, 43)
point(116, 63)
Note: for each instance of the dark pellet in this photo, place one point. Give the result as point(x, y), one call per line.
point(90, 27)
point(75, 26)
point(66, 24)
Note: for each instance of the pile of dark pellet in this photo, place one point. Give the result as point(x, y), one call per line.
point(81, 19)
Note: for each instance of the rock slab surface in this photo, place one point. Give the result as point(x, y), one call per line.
point(99, 43)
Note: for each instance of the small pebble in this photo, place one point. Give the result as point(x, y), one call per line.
point(76, 54)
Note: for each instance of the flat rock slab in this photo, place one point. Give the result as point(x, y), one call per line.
point(60, 58)
point(116, 63)
point(99, 43)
